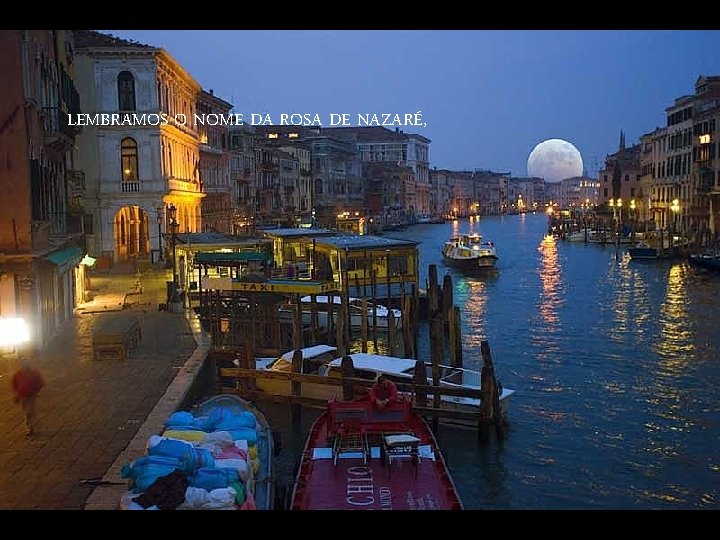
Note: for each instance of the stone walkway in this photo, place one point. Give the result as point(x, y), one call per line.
point(90, 411)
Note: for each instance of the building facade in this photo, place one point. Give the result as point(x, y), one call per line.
point(137, 169)
point(379, 144)
point(41, 227)
point(217, 205)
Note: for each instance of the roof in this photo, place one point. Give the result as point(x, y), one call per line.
point(367, 134)
point(379, 362)
point(91, 38)
point(211, 97)
point(230, 259)
point(213, 238)
point(296, 232)
point(364, 242)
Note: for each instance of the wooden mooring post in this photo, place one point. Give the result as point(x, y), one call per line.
point(314, 330)
point(489, 413)
point(406, 317)
point(297, 361)
point(392, 332)
point(364, 325)
point(297, 324)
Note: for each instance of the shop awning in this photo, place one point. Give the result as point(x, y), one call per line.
point(66, 258)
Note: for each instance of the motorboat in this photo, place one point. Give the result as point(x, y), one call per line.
point(469, 251)
point(377, 315)
point(358, 457)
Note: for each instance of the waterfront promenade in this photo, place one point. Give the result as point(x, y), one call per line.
point(90, 411)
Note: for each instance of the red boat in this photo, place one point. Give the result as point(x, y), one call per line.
point(360, 458)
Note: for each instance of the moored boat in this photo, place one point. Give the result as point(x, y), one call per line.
point(217, 457)
point(401, 370)
point(360, 458)
point(469, 251)
point(377, 314)
point(706, 261)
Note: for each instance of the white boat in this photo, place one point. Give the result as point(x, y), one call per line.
point(469, 251)
point(369, 366)
point(378, 312)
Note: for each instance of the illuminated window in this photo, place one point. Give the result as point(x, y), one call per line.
point(273, 135)
point(293, 135)
point(129, 158)
point(126, 91)
point(705, 139)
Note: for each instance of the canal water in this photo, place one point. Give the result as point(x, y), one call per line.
point(615, 364)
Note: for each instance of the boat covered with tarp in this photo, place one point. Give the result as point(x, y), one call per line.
point(218, 456)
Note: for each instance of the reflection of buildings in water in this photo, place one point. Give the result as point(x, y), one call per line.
point(550, 283)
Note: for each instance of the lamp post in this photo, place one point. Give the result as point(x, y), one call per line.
point(632, 218)
point(675, 207)
point(160, 209)
point(172, 214)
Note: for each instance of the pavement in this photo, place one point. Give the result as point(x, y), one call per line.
point(95, 414)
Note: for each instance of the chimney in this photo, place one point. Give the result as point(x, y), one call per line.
point(211, 92)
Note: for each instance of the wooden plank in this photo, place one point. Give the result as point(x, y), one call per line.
point(337, 381)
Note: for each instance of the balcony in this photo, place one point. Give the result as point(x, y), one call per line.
point(130, 187)
point(58, 134)
point(177, 184)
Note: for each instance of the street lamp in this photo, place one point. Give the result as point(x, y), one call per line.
point(172, 214)
point(675, 207)
point(160, 209)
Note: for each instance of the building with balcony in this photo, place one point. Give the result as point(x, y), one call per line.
point(244, 158)
point(379, 144)
point(146, 160)
point(217, 205)
point(41, 223)
point(704, 197)
point(390, 196)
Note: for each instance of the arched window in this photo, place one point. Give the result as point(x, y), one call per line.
point(129, 158)
point(126, 91)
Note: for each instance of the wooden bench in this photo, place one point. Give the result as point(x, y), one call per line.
point(115, 336)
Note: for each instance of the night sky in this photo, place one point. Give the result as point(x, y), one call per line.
point(488, 97)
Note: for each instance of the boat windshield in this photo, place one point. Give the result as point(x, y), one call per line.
point(281, 364)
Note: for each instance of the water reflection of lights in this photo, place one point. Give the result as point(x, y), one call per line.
point(475, 314)
point(550, 283)
point(676, 332)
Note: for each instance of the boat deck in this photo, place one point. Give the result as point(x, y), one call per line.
point(352, 462)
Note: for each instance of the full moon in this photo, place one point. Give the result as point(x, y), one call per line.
point(555, 160)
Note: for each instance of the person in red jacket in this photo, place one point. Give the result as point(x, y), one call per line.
point(26, 383)
point(383, 392)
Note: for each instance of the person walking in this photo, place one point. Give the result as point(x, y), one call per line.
point(26, 383)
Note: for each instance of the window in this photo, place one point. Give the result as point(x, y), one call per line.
point(129, 158)
point(88, 223)
point(627, 177)
point(126, 91)
point(397, 265)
